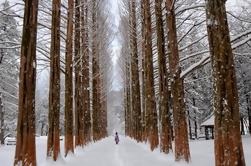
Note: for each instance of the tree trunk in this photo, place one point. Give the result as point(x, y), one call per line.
point(1, 121)
point(249, 120)
point(125, 108)
point(242, 126)
point(189, 125)
point(25, 146)
point(136, 104)
point(128, 87)
point(69, 145)
point(166, 140)
point(195, 120)
point(127, 101)
point(85, 73)
point(103, 117)
point(95, 75)
point(144, 130)
point(249, 114)
point(151, 119)
point(177, 88)
point(79, 112)
point(228, 143)
point(53, 144)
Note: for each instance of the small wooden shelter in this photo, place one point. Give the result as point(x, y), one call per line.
point(208, 126)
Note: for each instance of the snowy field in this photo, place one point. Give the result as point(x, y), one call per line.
point(127, 153)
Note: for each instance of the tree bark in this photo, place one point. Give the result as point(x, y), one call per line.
point(151, 112)
point(79, 112)
point(177, 88)
point(25, 147)
point(195, 119)
point(249, 113)
point(143, 97)
point(228, 143)
point(85, 73)
point(95, 76)
point(136, 104)
point(242, 126)
point(166, 140)
point(53, 144)
point(128, 96)
point(69, 145)
point(189, 125)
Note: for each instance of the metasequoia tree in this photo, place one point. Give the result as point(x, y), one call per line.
point(125, 62)
point(166, 138)
point(104, 40)
point(25, 147)
point(95, 75)
point(100, 67)
point(228, 144)
point(151, 112)
point(177, 87)
point(143, 101)
point(127, 99)
point(85, 72)
point(69, 145)
point(126, 36)
point(135, 86)
point(79, 112)
point(53, 143)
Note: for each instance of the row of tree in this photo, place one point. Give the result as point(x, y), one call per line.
point(86, 40)
point(167, 50)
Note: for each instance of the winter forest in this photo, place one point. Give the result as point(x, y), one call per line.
point(125, 82)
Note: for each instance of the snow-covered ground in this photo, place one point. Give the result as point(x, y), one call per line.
point(127, 153)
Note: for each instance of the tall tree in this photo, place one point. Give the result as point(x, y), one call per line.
point(228, 143)
point(25, 147)
point(79, 123)
point(85, 72)
point(151, 112)
point(177, 87)
point(166, 138)
point(53, 143)
point(135, 87)
point(69, 145)
point(95, 75)
point(143, 101)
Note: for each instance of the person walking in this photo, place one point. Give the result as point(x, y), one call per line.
point(116, 138)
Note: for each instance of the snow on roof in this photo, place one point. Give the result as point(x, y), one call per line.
point(209, 122)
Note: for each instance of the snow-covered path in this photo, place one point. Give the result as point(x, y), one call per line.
point(107, 153)
point(127, 153)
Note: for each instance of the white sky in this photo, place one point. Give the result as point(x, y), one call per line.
point(116, 76)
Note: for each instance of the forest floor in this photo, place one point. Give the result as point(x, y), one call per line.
point(127, 153)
